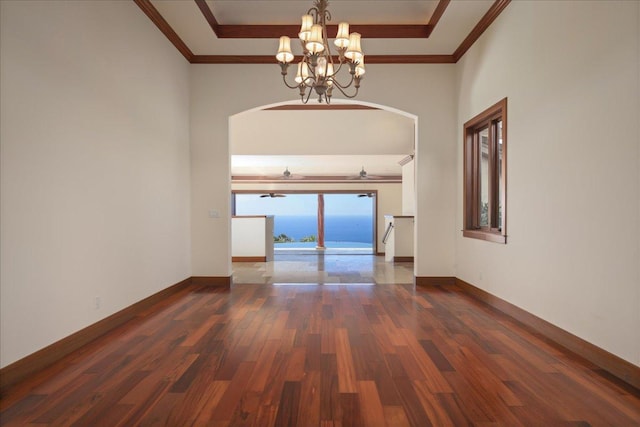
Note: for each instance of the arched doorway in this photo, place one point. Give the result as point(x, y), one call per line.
point(275, 154)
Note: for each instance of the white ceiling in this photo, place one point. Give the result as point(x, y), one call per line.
point(316, 165)
point(264, 143)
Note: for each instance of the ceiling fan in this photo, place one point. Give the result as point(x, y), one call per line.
point(363, 175)
point(272, 195)
point(288, 175)
point(365, 195)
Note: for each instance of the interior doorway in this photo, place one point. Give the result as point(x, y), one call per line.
point(315, 222)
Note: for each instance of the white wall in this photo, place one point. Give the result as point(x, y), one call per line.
point(220, 91)
point(573, 255)
point(409, 188)
point(94, 166)
point(389, 199)
point(252, 237)
point(281, 132)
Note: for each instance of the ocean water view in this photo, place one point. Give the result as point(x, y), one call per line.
point(337, 228)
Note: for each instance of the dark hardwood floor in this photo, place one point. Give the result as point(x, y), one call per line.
point(321, 355)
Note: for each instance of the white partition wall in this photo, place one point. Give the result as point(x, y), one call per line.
point(426, 91)
point(252, 238)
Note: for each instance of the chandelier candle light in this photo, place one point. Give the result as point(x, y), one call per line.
point(317, 70)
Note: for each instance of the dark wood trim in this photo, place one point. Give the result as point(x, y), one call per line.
point(498, 107)
point(376, 211)
point(611, 363)
point(275, 31)
point(437, 14)
point(314, 179)
point(402, 259)
point(494, 11)
point(376, 31)
point(47, 356)
point(303, 107)
point(208, 15)
point(472, 227)
point(435, 280)
point(320, 221)
point(367, 31)
point(251, 216)
point(308, 192)
point(249, 259)
point(371, 59)
point(380, 253)
point(149, 9)
point(222, 281)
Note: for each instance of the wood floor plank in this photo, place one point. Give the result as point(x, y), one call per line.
point(372, 410)
point(320, 356)
point(411, 403)
point(287, 415)
point(214, 393)
point(432, 375)
point(295, 364)
point(350, 410)
point(309, 409)
point(262, 369)
point(329, 404)
point(395, 416)
point(231, 398)
point(436, 413)
point(346, 370)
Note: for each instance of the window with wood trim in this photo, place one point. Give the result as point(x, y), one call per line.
point(485, 175)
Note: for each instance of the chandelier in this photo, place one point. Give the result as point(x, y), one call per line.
point(317, 70)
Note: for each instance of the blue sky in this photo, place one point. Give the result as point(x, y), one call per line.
point(303, 205)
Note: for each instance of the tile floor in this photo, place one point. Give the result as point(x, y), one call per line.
point(323, 268)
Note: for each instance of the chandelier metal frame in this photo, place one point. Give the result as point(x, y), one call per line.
point(317, 72)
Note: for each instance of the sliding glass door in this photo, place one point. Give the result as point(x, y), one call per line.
point(315, 221)
point(349, 221)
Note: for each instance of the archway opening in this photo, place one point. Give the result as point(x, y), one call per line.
point(274, 151)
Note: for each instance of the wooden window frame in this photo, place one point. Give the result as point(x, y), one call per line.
point(488, 119)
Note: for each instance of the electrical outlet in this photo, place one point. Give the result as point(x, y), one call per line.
point(97, 302)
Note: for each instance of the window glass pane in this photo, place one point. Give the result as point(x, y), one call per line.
point(499, 136)
point(483, 136)
point(349, 221)
point(295, 215)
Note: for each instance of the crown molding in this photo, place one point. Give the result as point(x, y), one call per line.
point(166, 29)
point(321, 107)
point(376, 31)
point(312, 179)
point(494, 11)
point(370, 31)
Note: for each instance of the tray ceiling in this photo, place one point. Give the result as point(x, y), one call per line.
point(247, 31)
